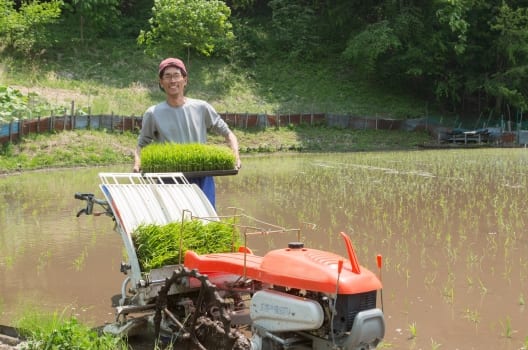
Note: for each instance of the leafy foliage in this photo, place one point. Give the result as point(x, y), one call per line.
point(293, 24)
point(94, 17)
point(158, 246)
point(24, 29)
point(365, 48)
point(182, 25)
point(453, 15)
point(14, 105)
point(510, 80)
point(469, 54)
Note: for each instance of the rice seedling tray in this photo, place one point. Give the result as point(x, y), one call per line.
point(202, 173)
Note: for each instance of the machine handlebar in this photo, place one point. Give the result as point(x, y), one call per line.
point(90, 201)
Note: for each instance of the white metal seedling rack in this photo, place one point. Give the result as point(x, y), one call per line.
point(151, 198)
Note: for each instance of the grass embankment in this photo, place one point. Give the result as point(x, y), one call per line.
point(101, 78)
point(81, 148)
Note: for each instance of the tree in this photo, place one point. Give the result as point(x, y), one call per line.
point(295, 29)
point(24, 30)
point(509, 81)
point(469, 54)
point(178, 25)
point(95, 16)
point(369, 45)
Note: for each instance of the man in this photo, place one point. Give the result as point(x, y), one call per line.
point(181, 119)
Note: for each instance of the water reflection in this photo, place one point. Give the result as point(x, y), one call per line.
point(450, 225)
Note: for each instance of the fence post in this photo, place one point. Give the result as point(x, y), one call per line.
point(112, 122)
point(89, 119)
point(11, 131)
point(20, 129)
point(71, 114)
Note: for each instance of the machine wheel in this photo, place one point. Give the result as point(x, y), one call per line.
point(205, 324)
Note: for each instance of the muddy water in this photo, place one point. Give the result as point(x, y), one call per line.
point(450, 225)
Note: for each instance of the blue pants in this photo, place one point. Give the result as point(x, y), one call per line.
point(208, 187)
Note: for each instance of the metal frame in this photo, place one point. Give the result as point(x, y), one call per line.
point(150, 198)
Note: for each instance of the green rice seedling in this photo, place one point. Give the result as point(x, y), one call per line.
point(160, 245)
point(470, 282)
point(430, 279)
point(9, 261)
point(435, 345)
point(473, 259)
point(413, 331)
point(521, 300)
point(472, 315)
point(384, 345)
point(80, 260)
point(449, 294)
point(173, 157)
point(507, 272)
point(507, 330)
point(483, 288)
point(43, 260)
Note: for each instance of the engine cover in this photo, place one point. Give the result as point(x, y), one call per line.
point(281, 312)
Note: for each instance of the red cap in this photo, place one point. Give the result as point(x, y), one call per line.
point(174, 62)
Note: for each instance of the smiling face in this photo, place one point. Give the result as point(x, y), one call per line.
point(172, 81)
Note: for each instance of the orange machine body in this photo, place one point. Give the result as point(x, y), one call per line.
point(298, 268)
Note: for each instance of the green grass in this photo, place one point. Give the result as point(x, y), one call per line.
point(81, 148)
point(67, 149)
point(115, 76)
point(56, 331)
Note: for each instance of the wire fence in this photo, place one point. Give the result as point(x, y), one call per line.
point(17, 129)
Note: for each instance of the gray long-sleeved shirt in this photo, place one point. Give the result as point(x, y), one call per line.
point(185, 124)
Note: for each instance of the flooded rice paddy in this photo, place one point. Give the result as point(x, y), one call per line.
point(450, 225)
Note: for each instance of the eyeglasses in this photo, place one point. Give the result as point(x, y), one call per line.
point(169, 77)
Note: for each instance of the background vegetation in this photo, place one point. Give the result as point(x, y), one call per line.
point(400, 59)
point(462, 63)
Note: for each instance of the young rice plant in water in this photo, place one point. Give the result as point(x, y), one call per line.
point(173, 157)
